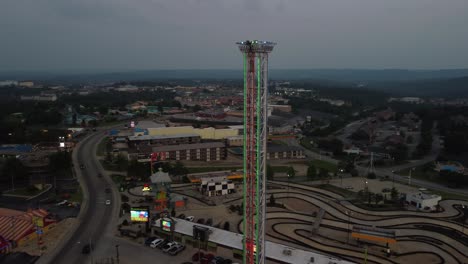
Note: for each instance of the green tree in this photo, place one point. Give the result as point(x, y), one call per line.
point(179, 169)
point(311, 172)
point(323, 173)
point(291, 172)
point(378, 198)
point(121, 162)
point(14, 172)
point(394, 194)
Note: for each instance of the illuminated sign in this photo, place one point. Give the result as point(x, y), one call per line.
point(132, 124)
point(146, 188)
point(139, 214)
point(166, 225)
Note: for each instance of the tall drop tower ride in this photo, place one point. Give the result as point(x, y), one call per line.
point(255, 138)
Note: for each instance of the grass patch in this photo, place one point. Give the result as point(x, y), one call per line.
point(305, 142)
point(77, 196)
point(117, 178)
point(280, 169)
point(421, 174)
point(25, 191)
point(321, 164)
point(101, 148)
point(446, 195)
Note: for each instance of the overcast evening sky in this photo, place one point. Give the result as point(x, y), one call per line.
point(201, 34)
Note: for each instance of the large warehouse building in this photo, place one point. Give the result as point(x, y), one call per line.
point(204, 133)
point(207, 151)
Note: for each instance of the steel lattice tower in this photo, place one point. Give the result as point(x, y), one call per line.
point(255, 138)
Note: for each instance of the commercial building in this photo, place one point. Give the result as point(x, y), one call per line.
point(423, 200)
point(230, 243)
point(40, 98)
point(27, 84)
point(207, 151)
point(284, 152)
point(235, 141)
point(135, 141)
point(204, 133)
point(282, 108)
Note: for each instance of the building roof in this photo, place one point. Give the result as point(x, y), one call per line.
point(424, 196)
point(149, 137)
point(272, 250)
point(14, 224)
point(189, 146)
point(282, 148)
point(148, 124)
point(160, 177)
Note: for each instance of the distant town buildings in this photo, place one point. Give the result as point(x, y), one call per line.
point(43, 97)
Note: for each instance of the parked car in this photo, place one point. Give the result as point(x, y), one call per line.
point(181, 216)
point(190, 218)
point(176, 249)
point(209, 221)
point(87, 248)
point(197, 256)
point(217, 260)
point(168, 246)
point(82, 166)
point(108, 202)
point(206, 259)
point(148, 240)
point(64, 202)
point(164, 243)
point(201, 221)
point(156, 242)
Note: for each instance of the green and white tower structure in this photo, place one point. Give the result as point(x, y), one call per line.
point(255, 55)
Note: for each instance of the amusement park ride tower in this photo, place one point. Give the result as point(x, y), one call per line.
point(255, 138)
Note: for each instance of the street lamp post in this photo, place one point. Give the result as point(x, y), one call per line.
point(409, 178)
point(117, 253)
point(464, 219)
point(348, 213)
point(341, 178)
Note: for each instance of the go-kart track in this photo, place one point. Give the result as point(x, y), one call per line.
point(421, 237)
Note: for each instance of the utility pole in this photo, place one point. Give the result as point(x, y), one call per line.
point(117, 253)
point(409, 178)
point(348, 213)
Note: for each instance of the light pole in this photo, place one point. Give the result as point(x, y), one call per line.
point(409, 178)
point(348, 213)
point(117, 253)
point(464, 219)
point(393, 179)
point(341, 178)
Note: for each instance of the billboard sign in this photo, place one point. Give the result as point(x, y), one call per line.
point(139, 214)
point(166, 225)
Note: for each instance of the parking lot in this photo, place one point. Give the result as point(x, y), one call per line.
point(135, 251)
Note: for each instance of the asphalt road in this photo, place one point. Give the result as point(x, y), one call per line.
point(98, 215)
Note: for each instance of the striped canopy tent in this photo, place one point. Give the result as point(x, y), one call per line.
point(14, 225)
